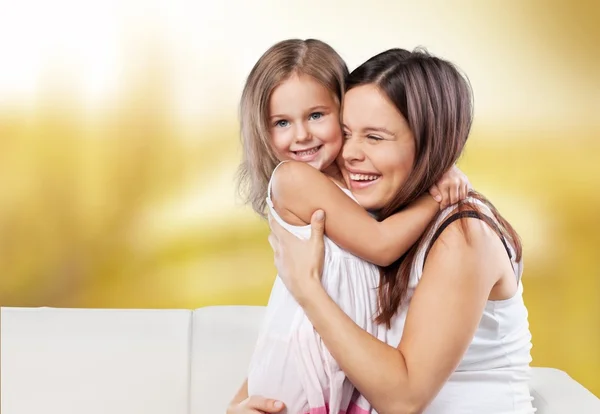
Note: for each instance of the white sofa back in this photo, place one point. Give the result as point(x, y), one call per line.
point(223, 341)
point(73, 361)
point(94, 361)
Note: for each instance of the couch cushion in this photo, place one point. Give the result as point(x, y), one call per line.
point(555, 392)
point(223, 342)
point(74, 361)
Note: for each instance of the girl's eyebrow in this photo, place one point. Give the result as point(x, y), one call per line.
point(315, 108)
point(311, 109)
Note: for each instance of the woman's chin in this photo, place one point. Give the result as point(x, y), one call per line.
point(367, 203)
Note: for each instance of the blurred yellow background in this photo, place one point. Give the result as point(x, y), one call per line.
point(119, 144)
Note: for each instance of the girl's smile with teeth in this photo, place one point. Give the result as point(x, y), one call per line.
point(307, 152)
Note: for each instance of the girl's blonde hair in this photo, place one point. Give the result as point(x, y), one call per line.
point(294, 56)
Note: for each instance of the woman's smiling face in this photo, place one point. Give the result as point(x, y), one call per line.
point(379, 147)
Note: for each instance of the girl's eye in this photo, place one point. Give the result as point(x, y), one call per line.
point(345, 134)
point(316, 115)
point(282, 123)
point(374, 138)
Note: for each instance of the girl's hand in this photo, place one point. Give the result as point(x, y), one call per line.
point(299, 262)
point(256, 405)
point(454, 186)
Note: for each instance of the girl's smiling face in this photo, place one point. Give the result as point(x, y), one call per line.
point(304, 122)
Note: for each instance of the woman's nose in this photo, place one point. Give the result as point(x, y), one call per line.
point(351, 151)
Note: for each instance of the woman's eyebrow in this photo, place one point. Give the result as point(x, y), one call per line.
point(379, 129)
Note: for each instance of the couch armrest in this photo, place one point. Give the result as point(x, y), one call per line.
point(555, 392)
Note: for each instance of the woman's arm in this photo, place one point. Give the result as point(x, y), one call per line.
point(301, 189)
point(442, 318)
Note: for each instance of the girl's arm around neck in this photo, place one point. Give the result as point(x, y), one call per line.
point(301, 189)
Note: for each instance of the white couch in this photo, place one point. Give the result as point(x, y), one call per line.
point(88, 361)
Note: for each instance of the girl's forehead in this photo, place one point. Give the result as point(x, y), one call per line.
point(301, 92)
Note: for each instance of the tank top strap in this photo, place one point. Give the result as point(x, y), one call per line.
point(468, 214)
point(269, 201)
point(480, 216)
point(450, 215)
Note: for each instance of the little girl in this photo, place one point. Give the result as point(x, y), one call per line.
point(290, 127)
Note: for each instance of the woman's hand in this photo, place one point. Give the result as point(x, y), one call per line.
point(256, 405)
point(299, 262)
point(454, 186)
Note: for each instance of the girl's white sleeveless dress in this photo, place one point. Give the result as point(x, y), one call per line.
point(290, 362)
